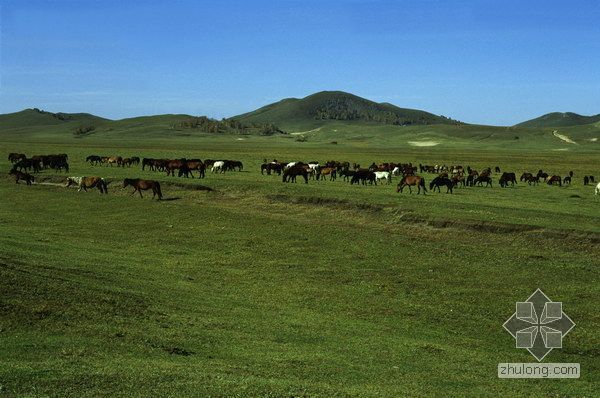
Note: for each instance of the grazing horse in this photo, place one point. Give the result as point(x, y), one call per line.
point(15, 157)
point(525, 177)
point(383, 175)
point(597, 191)
point(88, 182)
point(219, 166)
point(458, 180)
point(322, 172)
point(567, 180)
point(140, 185)
point(410, 180)
point(173, 165)
point(553, 180)
point(94, 159)
point(290, 173)
point(483, 178)
point(118, 160)
point(532, 179)
point(437, 182)
point(363, 176)
point(27, 164)
point(347, 174)
point(196, 164)
point(19, 175)
point(543, 175)
point(586, 180)
point(506, 178)
point(497, 169)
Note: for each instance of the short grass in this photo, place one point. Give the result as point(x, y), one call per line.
point(269, 289)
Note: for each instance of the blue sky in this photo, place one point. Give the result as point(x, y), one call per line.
point(491, 62)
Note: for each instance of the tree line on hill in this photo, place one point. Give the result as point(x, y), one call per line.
point(227, 126)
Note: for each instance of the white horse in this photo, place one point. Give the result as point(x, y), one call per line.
point(396, 171)
point(219, 166)
point(75, 181)
point(597, 192)
point(383, 175)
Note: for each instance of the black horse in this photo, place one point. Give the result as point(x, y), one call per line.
point(506, 178)
point(437, 182)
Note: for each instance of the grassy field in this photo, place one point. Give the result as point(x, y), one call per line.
point(268, 289)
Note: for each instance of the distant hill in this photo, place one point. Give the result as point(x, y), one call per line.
point(341, 106)
point(84, 124)
point(37, 117)
point(560, 119)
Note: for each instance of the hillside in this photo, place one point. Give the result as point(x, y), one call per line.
point(560, 119)
point(313, 110)
point(37, 117)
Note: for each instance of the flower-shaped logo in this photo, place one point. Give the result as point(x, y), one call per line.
point(539, 325)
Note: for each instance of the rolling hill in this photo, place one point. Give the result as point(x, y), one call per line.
point(37, 117)
point(560, 119)
point(313, 110)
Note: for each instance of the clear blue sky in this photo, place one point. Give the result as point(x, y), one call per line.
point(492, 62)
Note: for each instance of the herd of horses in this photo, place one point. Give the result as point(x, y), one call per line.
point(449, 177)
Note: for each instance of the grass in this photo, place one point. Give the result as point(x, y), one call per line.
point(269, 289)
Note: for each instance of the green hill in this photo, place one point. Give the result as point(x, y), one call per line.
point(560, 119)
point(37, 117)
point(312, 111)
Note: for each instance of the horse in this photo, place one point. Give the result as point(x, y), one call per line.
point(586, 180)
point(140, 185)
point(27, 164)
point(383, 175)
point(19, 175)
point(94, 159)
point(567, 180)
point(554, 179)
point(173, 165)
point(506, 178)
point(322, 172)
point(118, 160)
point(437, 182)
point(219, 166)
point(88, 182)
point(497, 169)
point(597, 191)
point(458, 180)
point(532, 179)
point(290, 173)
point(525, 176)
point(410, 180)
point(15, 157)
point(196, 164)
point(471, 178)
point(483, 178)
point(543, 175)
point(362, 176)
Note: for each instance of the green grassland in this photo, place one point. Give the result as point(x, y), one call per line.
point(262, 288)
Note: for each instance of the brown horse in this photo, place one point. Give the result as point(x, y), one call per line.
point(326, 171)
point(140, 185)
point(19, 175)
point(88, 182)
point(291, 173)
point(118, 160)
point(554, 180)
point(408, 181)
